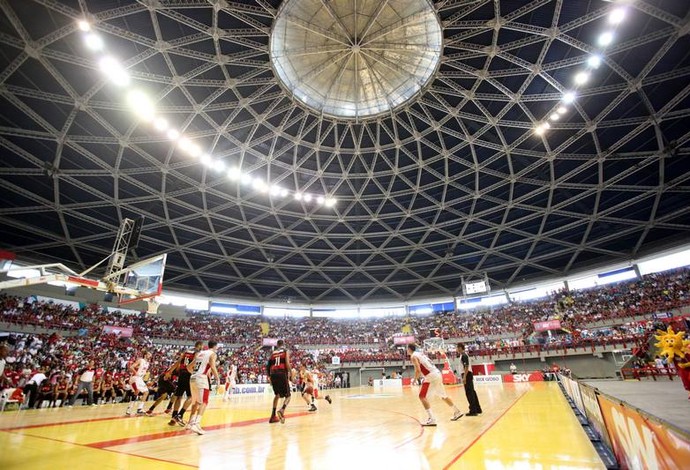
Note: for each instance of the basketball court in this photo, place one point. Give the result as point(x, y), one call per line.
point(526, 425)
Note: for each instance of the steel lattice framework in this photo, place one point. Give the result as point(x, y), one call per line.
point(453, 182)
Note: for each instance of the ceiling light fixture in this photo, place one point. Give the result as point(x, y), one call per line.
point(93, 41)
point(617, 16)
point(605, 38)
point(114, 71)
point(84, 25)
point(581, 78)
point(594, 61)
point(568, 97)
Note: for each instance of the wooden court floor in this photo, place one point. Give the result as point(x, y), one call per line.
point(524, 426)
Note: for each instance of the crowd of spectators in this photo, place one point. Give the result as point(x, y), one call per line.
point(317, 340)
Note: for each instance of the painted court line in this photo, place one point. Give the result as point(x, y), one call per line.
point(484, 431)
point(65, 423)
point(181, 432)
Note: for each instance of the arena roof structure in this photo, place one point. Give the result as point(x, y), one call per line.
point(331, 150)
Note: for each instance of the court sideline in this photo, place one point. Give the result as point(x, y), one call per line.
point(523, 426)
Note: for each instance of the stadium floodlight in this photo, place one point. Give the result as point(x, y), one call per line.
point(555, 116)
point(330, 202)
point(247, 179)
point(319, 200)
point(94, 42)
point(141, 104)
point(219, 165)
point(160, 124)
point(581, 78)
point(307, 197)
point(283, 192)
point(568, 97)
point(562, 110)
point(206, 160)
point(84, 25)
point(234, 173)
point(605, 38)
point(594, 61)
point(617, 16)
point(112, 69)
point(298, 196)
point(173, 134)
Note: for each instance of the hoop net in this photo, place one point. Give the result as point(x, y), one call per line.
point(435, 345)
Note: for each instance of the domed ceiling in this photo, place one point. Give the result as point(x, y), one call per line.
point(345, 151)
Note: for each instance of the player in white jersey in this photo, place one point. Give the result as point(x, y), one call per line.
point(433, 383)
point(138, 369)
point(230, 381)
point(202, 369)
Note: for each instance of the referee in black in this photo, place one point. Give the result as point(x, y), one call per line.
point(467, 380)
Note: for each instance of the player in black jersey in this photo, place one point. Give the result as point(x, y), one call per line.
point(186, 358)
point(278, 370)
point(165, 389)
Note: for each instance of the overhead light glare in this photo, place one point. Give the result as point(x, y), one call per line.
point(617, 16)
point(184, 144)
point(206, 160)
point(581, 78)
point(562, 110)
point(555, 116)
point(275, 190)
point(219, 166)
point(319, 200)
point(298, 196)
point(605, 38)
point(173, 134)
point(94, 42)
point(330, 202)
point(568, 97)
point(283, 192)
point(84, 25)
point(114, 71)
point(194, 150)
point(247, 180)
point(546, 125)
point(594, 61)
point(160, 124)
point(234, 173)
point(141, 105)
point(539, 130)
point(307, 197)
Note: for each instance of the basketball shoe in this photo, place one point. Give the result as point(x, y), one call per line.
point(281, 416)
point(328, 399)
point(457, 416)
point(312, 408)
point(429, 422)
point(274, 419)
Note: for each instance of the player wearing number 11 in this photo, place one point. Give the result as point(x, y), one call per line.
point(278, 369)
point(203, 369)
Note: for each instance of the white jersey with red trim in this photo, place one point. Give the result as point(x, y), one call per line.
point(232, 374)
point(425, 365)
point(202, 363)
point(142, 368)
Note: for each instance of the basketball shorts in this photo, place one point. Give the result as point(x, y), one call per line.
point(200, 389)
point(138, 385)
point(165, 386)
point(433, 386)
point(183, 385)
point(281, 385)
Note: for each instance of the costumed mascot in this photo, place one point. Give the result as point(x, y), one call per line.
point(676, 349)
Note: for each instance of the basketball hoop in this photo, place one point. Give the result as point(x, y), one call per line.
point(436, 345)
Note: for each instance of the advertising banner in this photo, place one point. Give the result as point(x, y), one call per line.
point(244, 389)
point(123, 331)
point(487, 379)
point(269, 342)
point(547, 325)
point(593, 413)
point(402, 340)
point(531, 377)
point(640, 442)
point(573, 391)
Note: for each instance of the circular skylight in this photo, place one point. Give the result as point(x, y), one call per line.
point(358, 59)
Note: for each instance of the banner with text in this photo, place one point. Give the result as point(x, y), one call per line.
point(593, 413)
point(402, 340)
point(547, 325)
point(487, 379)
point(531, 377)
point(640, 442)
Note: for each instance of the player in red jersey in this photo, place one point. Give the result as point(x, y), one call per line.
point(203, 369)
point(278, 370)
point(186, 357)
point(61, 391)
